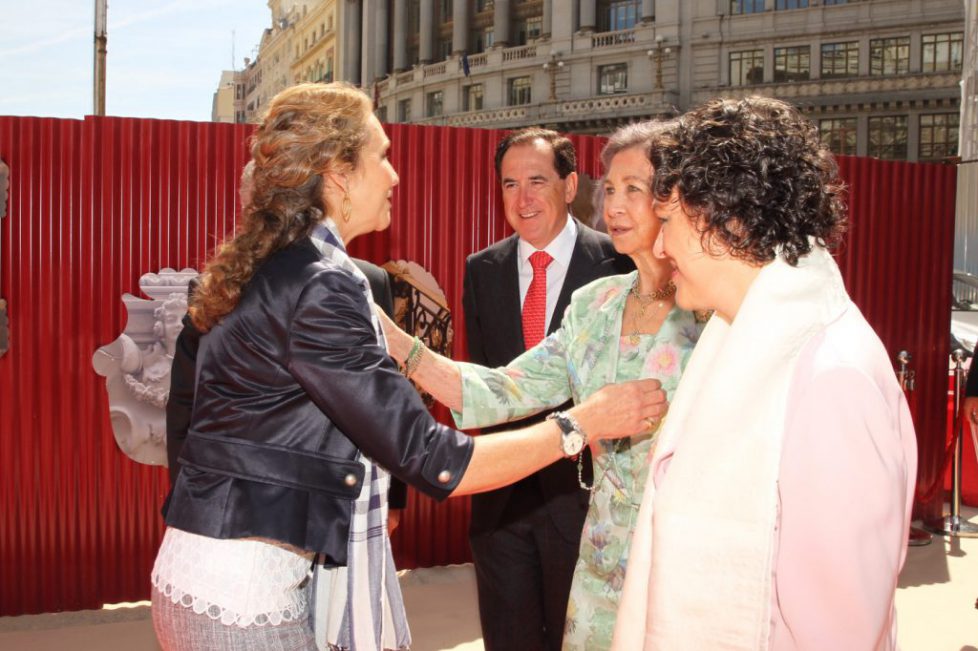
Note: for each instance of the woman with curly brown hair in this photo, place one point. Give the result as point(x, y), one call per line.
point(299, 412)
point(779, 495)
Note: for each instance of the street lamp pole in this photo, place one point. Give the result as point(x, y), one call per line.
point(553, 66)
point(656, 56)
point(101, 42)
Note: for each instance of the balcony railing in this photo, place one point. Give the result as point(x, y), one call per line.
point(477, 60)
point(838, 86)
point(434, 69)
point(621, 106)
point(608, 39)
point(518, 53)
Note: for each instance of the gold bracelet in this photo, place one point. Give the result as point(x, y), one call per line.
point(413, 360)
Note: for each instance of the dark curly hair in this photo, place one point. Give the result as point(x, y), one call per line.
point(757, 174)
point(308, 129)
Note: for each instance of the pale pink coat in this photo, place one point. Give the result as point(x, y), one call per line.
point(846, 486)
point(779, 498)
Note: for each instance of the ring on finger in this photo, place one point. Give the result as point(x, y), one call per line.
point(652, 422)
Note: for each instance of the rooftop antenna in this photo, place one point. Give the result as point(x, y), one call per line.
point(233, 69)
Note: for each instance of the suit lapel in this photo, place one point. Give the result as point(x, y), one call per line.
point(508, 298)
point(581, 270)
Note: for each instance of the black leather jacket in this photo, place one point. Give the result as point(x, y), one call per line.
point(290, 386)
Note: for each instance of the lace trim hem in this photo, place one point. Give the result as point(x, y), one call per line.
point(228, 617)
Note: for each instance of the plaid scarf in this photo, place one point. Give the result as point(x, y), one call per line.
point(359, 607)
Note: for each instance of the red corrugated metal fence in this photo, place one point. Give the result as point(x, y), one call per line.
point(897, 263)
point(95, 204)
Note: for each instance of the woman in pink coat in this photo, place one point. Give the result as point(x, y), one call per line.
point(780, 491)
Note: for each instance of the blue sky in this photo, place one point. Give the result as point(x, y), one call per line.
point(165, 57)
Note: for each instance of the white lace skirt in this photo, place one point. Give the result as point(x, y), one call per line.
point(240, 582)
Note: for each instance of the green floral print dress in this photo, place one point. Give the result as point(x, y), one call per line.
point(585, 354)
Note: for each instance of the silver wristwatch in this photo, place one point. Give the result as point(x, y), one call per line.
point(572, 437)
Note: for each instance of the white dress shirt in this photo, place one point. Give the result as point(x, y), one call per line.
point(561, 248)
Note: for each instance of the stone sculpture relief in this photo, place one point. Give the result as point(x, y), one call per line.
point(136, 366)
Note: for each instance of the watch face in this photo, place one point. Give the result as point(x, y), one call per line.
point(573, 443)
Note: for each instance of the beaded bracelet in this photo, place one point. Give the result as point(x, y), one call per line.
point(413, 360)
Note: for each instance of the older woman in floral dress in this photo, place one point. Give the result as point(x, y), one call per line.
point(617, 328)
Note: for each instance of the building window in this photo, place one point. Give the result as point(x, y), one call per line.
point(445, 10)
point(619, 14)
point(613, 79)
point(529, 30)
point(483, 5)
point(746, 67)
point(790, 4)
point(746, 6)
point(444, 49)
point(488, 38)
point(839, 135)
point(414, 16)
point(792, 63)
point(938, 136)
point(477, 42)
point(519, 91)
point(436, 103)
point(472, 98)
point(404, 110)
point(942, 52)
point(840, 60)
point(888, 137)
point(382, 113)
point(889, 56)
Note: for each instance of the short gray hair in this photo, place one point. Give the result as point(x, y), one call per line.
point(639, 134)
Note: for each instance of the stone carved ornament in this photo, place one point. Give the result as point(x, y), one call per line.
point(137, 365)
point(420, 308)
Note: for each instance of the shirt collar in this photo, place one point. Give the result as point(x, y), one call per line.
point(561, 248)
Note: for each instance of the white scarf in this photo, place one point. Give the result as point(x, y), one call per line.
point(700, 569)
point(359, 607)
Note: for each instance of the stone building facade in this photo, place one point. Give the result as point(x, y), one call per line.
point(879, 77)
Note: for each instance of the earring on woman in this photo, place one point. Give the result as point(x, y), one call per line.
point(346, 208)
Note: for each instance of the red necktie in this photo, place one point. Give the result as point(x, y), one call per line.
point(535, 304)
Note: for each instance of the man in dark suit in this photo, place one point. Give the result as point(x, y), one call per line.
point(525, 536)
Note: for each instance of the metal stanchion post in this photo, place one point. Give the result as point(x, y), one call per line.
point(917, 537)
point(952, 524)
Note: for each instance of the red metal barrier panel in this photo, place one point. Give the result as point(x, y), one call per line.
point(95, 204)
point(897, 266)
